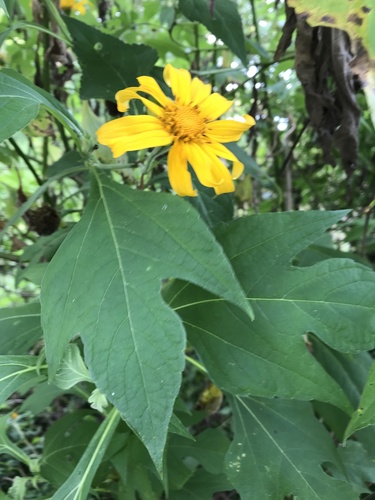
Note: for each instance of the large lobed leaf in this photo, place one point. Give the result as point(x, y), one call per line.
point(223, 21)
point(107, 63)
point(104, 285)
point(269, 357)
point(278, 449)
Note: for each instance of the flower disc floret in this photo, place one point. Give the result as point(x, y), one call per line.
point(184, 122)
point(188, 123)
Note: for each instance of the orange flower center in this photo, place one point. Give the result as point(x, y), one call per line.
point(184, 122)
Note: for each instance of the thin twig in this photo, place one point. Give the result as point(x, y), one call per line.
point(367, 212)
point(294, 145)
point(19, 151)
point(255, 20)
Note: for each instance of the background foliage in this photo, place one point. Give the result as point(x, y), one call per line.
point(159, 347)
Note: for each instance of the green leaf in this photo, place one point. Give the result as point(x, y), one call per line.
point(18, 488)
point(107, 63)
point(4, 7)
point(20, 101)
point(65, 164)
point(42, 396)
point(64, 444)
point(72, 369)
point(202, 486)
point(316, 253)
point(137, 472)
point(163, 43)
point(77, 486)
point(177, 427)
point(365, 414)
point(349, 370)
point(16, 26)
point(179, 472)
point(16, 371)
point(109, 270)
point(98, 401)
point(20, 328)
point(9, 448)
point(359, 469)
point(278, 449)
point(208, 449)
point(44, 247)
point(269, 357)
point(32, 272)
point(224, 22)
point(212, 208)
point(167, 16)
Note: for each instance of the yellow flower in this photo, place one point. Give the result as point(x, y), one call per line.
point(79, 5)
point(188, 123)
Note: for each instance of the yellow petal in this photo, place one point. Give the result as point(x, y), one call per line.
point(228, 130)
point(199, 91)
point(179, 80)
point(131, 133)
point(201, 164)
point(223, 152)
point(150, 85)
point(237, 169)
point(124, 96)
point(249, 120)
point(132, 124)
point(219, 171)
point(214, 106)
point(178, 173)
point(227, 187)
point(220, 150)
point(210, 171)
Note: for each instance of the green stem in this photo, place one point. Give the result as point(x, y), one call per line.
point(82, 393)
point(55, 15)
point(196, 363)
point(24, 24)
point(153, 156)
